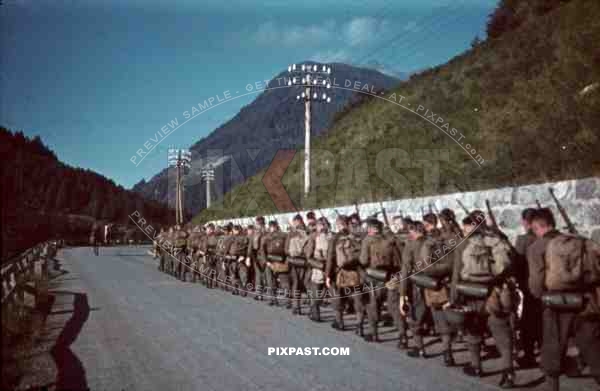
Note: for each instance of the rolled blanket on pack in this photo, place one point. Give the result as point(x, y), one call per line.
point(316, 264)
point(473, 290)
point(297, 261)
point(565, 301)
point(377, 274)
point(423, 281)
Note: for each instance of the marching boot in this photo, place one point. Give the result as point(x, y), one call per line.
point(507, 380)
point(472, 371)
point(474, 368)
point(449, 359)
point(416, 353)
point(403, 343)
point(337, 326)
point(552, 383)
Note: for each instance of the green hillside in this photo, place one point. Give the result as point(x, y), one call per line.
point(516, 98)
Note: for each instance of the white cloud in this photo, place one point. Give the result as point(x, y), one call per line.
point(359, 31)
point(364, 30)
point(270, 33)
point(412, 26)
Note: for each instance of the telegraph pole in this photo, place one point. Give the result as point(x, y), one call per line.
point(313, 78)
point(180, 159)
point(208, 174)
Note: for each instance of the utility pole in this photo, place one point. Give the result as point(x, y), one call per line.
point(208, 174)
point(313, 79)
point(180, 159)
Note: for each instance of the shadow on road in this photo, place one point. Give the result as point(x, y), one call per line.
point(71, 373)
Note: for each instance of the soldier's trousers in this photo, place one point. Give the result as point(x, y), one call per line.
point(558, 328)
point(180, 263)
point(418, 315)
point(531, 324)
point(343, 295)
point(316, 298)
point(297, 275)
point(393, 307)
point(500, 327)
point(222, 272)
point(446, 325)
point(233, 280)
point(162, 255)
point(278, 285)
point(260, 281)
point(210, 271)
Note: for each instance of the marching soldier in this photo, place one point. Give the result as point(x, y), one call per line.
point(194, 242)
point(412, 300)
point(208, 253)
point(437, 266)
point(343, 273)
point(95, 238)
point(277, 271)
point(381, 259)
point(256, 257)
point(158, 251)
point(221, 250)
point(236, 254)
point(531, 317)
point(316, 253)
point(399, 230)
point(481, 262)
point(564, 273)
point(180, 243)
point(295, 246)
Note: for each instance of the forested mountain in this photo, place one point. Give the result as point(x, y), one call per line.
point(43, 198)
point(273, 121)
point(524, 103)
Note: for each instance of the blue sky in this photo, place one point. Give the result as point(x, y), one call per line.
point(96, 79)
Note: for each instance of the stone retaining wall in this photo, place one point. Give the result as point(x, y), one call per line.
point(580, 197)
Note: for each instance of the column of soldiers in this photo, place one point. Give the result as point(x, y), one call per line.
point(431, 276)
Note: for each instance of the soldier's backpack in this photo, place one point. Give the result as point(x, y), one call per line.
point(276, 244)
point(381, 252)
point(322, 241)
point(239, 246)
point(572, 263)
point(180, 239)
point(433, 258)
point(297, 243)
point(347, 251)
point(484, 258)
point(220, 248)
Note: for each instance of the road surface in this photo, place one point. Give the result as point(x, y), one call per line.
point(117, 323)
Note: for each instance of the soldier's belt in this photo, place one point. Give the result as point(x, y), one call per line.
point(316, 263)
point(275, 258)
point(297, 261)
point(377, 274)
point(473, 290)
point(564, 301)
point(425, 281)
point(230, 257)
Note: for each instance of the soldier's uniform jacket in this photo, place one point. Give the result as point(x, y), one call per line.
point(521, 269)
point(294, 233)
point(238, 246)
point(180, 238)
point(410, 257)
point(310, 250)
point(208, 243)
point(255, 246)
point(331, 263)
point(366, 252)
point(265, 242)
point(536, 253)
